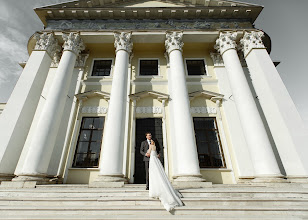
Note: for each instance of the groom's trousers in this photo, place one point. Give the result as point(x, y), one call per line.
point(146, 164)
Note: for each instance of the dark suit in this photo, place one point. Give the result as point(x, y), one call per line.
point(143, 150)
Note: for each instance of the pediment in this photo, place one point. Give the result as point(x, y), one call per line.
point(148, 9)
point(93, 93)
point(147, 3)
point(206, 94)
point(157, 95)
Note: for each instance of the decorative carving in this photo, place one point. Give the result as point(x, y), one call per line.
point(217, 59)
point(94, 109)
point(81, 60)
point(149, 110)
point(174, 41)
point(203, 110)
point(47, 42)
point(251, 40)
point(123, 41)
point(73, 42)
point(56, 60)
point(146, 24)
point(225, 41)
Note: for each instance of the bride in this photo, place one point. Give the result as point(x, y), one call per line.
point(159, 185)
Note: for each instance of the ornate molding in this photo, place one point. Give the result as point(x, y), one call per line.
point(225, 41)
point(123, 41)
point(174, 41)
point(203, 110)
point(47, 42)
point(56, 60)
point(217, 59)
point(94, 109)
point(149, 110)
point(147, 24)
point(252, 40)
point(73, 42)
point(81, 60)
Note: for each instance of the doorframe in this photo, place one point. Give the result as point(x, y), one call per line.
point(133, 140)
point(134, 98)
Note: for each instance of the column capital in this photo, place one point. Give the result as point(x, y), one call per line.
point(46, 42)
point(217, 59)
point(252, 40)
point(73, 43)
point(81, 60)
point(123, 41)
point(174, 41)
point(225, 41)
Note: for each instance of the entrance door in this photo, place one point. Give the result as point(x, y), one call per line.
point(143, 125)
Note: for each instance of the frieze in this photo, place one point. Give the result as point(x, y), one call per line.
point(146, 24)
point(94, 109)
point(203, 110)
point(149, 110)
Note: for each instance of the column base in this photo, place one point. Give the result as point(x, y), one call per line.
point(297, 179)
point(190, 181)
point(6, 177)
point(40, 179)
point(108, 181)
point(270, 179)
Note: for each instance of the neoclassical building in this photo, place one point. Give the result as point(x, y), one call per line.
point(195, 73)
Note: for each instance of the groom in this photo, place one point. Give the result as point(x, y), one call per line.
point(146, 157)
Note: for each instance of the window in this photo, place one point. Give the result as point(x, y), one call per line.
point(101, 68)
point(208, 142)
point(148, 67)
point(195, 67)
point(89, 142)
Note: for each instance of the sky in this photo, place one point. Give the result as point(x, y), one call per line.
point(285, 21)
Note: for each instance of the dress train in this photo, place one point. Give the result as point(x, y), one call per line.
point(160, 186)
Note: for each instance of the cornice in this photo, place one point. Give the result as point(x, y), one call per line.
point(118, 10)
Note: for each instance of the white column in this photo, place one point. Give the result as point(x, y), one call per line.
point(79, 71)
point(111, 162)
point(133, 142)
point(186, 150)
point(16, 119)
point(165, 142)
point(40, 151)
point(262, 155)
point(284, 121)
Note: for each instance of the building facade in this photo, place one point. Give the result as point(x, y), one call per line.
point(194, 73)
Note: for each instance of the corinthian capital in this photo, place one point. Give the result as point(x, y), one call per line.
point(225, 41)
point(81, 60)
point(252, 40)
point(123, 41)
point(47, 42)
point(174, 41)
point(73, 42)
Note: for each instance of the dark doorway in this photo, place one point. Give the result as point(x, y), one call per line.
point(153, 125)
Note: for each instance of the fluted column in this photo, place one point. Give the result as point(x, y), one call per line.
point(16, 119)
point(111, 162)
point(284, 121)
point(38, 157)
point(262, 155)
point(186, 150)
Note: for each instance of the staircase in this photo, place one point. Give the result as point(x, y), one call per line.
point(74, 201)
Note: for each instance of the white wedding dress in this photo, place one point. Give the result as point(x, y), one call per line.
point(159, 185)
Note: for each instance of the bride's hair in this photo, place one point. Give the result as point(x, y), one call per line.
point(152, 142)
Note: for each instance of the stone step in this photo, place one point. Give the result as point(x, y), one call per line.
point(129, 194)
point(132, 189)
point(303, 208)
point(225, 215)
point(152, 202)
point(153, 211)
